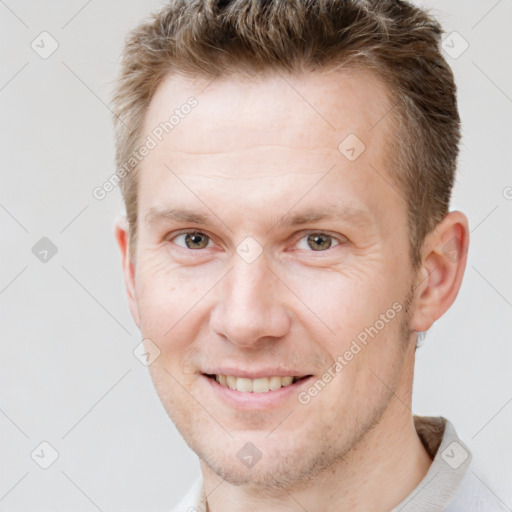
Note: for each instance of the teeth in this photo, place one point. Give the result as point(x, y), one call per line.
point(261, 385)
point(244, 385)
point(231, 381)
point(275, 383)
point(286, 381)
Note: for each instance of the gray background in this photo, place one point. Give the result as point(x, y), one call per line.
point(67, 372)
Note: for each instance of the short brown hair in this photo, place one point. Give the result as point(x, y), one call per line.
point(396, 40)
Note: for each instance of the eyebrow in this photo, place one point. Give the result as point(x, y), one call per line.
point(183, 215)
point(310, 216)
point(351, 214)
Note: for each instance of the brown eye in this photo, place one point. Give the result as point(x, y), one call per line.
point(317, 242)
point(193, 240)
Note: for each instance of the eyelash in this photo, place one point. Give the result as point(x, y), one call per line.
point(303, 235)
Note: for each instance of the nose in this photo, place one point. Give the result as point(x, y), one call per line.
point(250, 309)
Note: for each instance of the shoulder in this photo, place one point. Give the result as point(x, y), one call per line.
point(474, 495)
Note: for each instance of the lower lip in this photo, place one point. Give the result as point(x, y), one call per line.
point(255, 401)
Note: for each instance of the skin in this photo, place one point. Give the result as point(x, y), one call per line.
point(249, 153)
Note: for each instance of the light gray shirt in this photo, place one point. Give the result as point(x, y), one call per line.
point(450, 484)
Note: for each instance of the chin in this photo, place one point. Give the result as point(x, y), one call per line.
point(286, 462)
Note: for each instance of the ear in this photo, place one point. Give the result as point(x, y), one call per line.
point(121, 230)
point(443, 264)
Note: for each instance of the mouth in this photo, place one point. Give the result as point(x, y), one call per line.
point(260, 385)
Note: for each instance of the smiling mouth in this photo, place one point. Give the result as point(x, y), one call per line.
point(260, 385)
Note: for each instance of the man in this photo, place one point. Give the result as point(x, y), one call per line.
point(287, 170)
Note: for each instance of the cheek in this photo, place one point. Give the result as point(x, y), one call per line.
point(163, 285)
point(360, 317)
point(345, 301)
point(172, 304)
point(161, 302)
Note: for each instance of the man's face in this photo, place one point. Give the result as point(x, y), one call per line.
point(299, 248)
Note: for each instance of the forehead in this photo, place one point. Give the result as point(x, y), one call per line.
point(267, 138)
point(312, 109)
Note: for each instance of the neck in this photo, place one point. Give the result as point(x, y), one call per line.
point(379, 473)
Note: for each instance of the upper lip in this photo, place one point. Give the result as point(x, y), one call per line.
point(256, 374)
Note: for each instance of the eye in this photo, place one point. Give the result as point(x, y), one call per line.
point(318, 242)
point(192, 240)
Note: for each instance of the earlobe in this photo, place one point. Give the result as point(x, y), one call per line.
point(444, 262)
point(121, 231)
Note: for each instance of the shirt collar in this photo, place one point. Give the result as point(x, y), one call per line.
point(451, 459)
